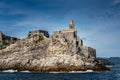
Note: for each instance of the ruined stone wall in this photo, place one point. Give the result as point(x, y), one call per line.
point(65, 42)
point(67, 30)
point(79, 41)
point(71, 40)
point(88, 52)
point(37, 32)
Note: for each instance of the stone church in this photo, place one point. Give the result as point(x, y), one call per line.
point(67, 42)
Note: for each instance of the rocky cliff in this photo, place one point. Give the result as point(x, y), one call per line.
point(6, 40)
point(62, 51)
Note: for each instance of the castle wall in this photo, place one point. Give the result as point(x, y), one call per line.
point(37, 32)
point(74, 44)
point(88, 52)
point(71, 40)
point(79, 41)
point(68, 37)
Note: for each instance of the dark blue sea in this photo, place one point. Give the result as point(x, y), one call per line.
point(113, 74)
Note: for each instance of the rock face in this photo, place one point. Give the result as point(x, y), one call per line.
point(62, 51)
point(6, 40)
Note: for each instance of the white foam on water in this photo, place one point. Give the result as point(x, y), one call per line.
point(109, 66)
point(81, 71)
point(25, 71)
point(75, 71)
point(89, 71)
point(57, 72)
point(10, 70)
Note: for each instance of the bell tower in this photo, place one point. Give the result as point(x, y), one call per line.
point(71, 25)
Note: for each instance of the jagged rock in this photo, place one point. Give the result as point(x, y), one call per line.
point(6, 40)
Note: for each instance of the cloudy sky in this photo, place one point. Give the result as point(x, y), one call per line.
point(97, 21)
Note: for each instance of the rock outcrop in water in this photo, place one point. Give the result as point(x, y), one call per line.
point(62, 51)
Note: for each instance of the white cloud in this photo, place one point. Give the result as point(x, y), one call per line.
point(116, 2)
point(103, 39)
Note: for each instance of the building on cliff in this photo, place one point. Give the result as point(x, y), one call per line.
point(62, 51)
point(6, 40)
point(64, 41)
point(71, 42)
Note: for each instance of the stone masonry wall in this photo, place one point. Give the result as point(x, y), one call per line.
point(67, 42)
point(79, 41)
point(88, 51)
point(37, 32)
point(68, 38)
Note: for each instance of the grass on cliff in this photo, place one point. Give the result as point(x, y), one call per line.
point(41, 38)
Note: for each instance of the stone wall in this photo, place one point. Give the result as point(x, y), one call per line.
point(37, 32)
point(79, 41)
point(66, 37)
point(88, 52)
point(67, 42)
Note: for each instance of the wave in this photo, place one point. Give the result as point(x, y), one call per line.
point(109, 66)
point(25, 71)
point(81, 71)
point(75, 71)
point(11, 71)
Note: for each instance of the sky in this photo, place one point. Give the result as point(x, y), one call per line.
point(97, 21)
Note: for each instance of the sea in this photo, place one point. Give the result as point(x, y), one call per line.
point(113, 74)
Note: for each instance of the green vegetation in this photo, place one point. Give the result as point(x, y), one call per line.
point(110, 61)
point(41, 38)
point(38, 36)
point(5, 43)
point(104, 61)
point(29, 36)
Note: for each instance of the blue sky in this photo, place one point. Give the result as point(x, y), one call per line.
point(97, 21)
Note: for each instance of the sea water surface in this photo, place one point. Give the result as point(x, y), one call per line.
point(113, 74)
